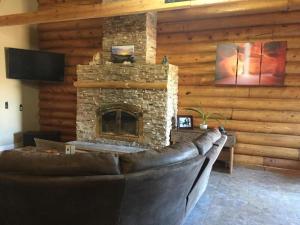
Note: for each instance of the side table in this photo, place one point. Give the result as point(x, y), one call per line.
point(227, 153)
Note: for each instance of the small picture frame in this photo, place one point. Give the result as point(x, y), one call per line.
point(121, 54)
point(185, 122)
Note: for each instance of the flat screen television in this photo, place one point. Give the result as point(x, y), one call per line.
point(34, 65)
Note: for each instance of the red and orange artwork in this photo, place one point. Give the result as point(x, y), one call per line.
point(273, 63)
point(249, 60)
point(251, 64)
point(226, 67)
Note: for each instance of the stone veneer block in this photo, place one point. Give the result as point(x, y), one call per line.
point(138, 30)
point(159, 106)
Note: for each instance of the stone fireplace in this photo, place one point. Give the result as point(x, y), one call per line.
point(131, 104)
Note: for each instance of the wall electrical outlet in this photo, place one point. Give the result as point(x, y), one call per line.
point(70, 149)
point(6, 105)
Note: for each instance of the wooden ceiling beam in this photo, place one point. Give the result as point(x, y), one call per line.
point(65, 3)
point(228, 9)
point(191, 9)
point(118, 8)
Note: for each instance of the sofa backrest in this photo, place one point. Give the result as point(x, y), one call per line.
point(201, 181)
point(49, 164)
point(151, 196)
point(215, 150)
point(158, 187)
point(44, 200)
point(176, 153)
point(159, 195)
point(205, 141)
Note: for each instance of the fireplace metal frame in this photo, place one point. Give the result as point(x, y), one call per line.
point(130, 109)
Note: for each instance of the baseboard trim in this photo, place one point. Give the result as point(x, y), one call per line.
point(10, 147)
point(269, 168)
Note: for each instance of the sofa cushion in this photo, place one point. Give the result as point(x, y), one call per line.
point(153, 158)
point(40, 163)
point(206, 140)
point(51, 144)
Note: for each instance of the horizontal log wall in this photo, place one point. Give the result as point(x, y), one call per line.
point(80, 41)
point(265, 119)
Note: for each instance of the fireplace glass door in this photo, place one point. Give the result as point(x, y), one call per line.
point(120, 121)
point(128, 124)
point(109, 122)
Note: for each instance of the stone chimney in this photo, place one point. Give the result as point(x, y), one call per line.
point(138, 30)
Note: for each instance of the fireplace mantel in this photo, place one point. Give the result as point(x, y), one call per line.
point(121, 85)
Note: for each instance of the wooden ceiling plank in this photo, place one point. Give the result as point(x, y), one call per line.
point(124, 7)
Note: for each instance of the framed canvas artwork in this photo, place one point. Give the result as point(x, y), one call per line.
point(248, 65)
point(226, 66)
point(273, 63)
point(251, 64)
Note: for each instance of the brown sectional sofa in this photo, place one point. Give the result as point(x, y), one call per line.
point(147, 188)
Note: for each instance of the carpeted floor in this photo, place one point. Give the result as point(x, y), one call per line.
point(249, 197)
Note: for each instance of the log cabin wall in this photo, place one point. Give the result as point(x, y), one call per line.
point(266, 120)
point(80, 40)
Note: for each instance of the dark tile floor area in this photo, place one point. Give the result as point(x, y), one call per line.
point(249, 197)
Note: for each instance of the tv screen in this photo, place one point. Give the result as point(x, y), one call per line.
point(34, 65)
